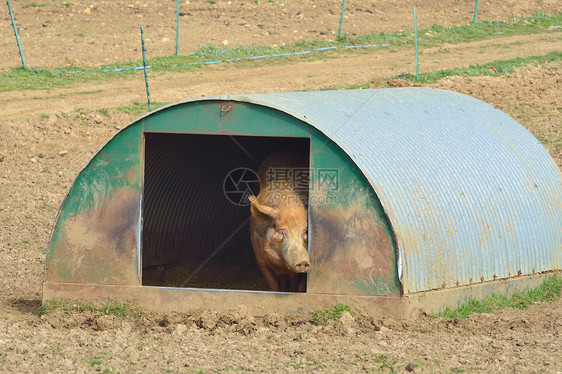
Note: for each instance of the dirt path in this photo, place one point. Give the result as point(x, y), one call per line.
point(313, 75)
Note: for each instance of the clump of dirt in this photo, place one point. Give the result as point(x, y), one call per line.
point(238, 341)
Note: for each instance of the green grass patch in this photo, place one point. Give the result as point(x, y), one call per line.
point(538, 23)
point(66, 306)
point(19, 79)
point(494, 68)
point(35, 5)
point(321, 316)
point(120, 309)
point(102, 112)
point(95, 362)
point(548, 291)
point(137, 107)
point(383, 361)
point(457, 370)
point(112, 307)
point(42, 78)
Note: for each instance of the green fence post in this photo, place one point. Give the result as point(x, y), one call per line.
point(177, 24)
point(145, 73)
point(341, 18)
point(416, 44)
point(16, 33)
point(475, 12)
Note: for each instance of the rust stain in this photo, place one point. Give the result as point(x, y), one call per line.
point(100, 245)
point(437, 261)
point(226, 108)
point(227, 132)
point(351, 252)
point(485, 239)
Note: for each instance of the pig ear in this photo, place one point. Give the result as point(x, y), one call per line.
point(262, 212)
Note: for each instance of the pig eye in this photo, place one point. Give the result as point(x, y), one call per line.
point(280, 234)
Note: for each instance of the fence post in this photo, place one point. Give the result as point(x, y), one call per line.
point(145, 73)
point(475, 12)
point(16, 33)
point(177, 24)
point(416, 44)
point(341, 18)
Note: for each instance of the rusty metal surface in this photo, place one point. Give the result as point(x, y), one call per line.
point(186, 219)
point(163, 299)
point(176, 299)
point(351, 252)
point(351, 246)
point(186, 215)
point(96, 236)
point(439, 300)
point(468, 194)
point(99, 245)
point(471, 195)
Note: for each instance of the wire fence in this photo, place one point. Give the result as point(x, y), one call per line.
point(177, 32)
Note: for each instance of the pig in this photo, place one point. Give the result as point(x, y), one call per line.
point(279, 224)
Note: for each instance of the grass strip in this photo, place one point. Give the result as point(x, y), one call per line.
point(494, 68)
point(41, 78)
point(548, 291)
point(112, 307)
point(321, 316)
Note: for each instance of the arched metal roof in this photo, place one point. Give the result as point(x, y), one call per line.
point(471, 195)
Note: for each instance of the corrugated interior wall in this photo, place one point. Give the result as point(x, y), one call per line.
point(193, 234)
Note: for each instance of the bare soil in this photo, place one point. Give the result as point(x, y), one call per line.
point(47, 136)
point(91, 33)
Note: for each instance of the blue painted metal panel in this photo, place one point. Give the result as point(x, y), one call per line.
point(471, 195)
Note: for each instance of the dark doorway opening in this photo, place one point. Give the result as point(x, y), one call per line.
point(195, 221)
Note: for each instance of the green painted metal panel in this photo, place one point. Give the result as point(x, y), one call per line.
point(97, 235)
point(224, 118)
point(352, 244)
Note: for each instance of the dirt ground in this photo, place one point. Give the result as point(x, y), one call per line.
point(47, 136)
point(91, 33)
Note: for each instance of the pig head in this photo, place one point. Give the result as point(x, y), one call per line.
point(278, 227)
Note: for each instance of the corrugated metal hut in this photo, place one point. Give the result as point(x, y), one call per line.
point(417, 197)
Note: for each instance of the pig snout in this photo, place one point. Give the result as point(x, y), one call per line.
point(302, 267)
point(297, 260)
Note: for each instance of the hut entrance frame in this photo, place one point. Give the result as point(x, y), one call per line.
point(195, 209)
